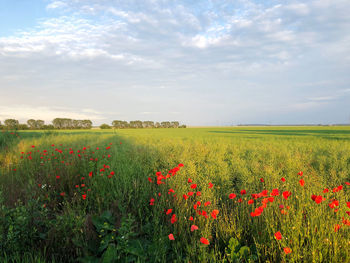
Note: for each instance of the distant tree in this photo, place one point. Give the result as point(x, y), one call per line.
point(48, 127)
point(182, 126)
point(118, 124)
point(157, 125)
point(40, 124)
point(57, 123)
point(165, 124)
point(11, 124)
point(31, 123)
point(86, 124)
point(105, 126)
point(23, 126)
point(148, 124)
point(174, 124)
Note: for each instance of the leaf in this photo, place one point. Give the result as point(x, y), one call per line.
point(234, 245)
point(110, 255)
point(244, 252)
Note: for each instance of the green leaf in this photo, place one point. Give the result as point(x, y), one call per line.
point(110, 255)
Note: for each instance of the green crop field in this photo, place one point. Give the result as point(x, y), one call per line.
point(238, 194)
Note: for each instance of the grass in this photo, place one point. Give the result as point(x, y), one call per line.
point(116, 220)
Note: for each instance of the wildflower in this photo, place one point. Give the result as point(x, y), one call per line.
point(180, 165)
point(84, 197)
point(190, 193)
point(232, 196)
point(214, 213)
point(171, 237)
point(191, 218)
point(189, 180)
point(251, 201)
point(207, 203)
point(193, 228)
point(283, 179)
point(173, 219)
point(336, 227)
point(262, 180)
point(348, 204)
point(198, 193)
point(286, 194)
point(302, 182)
point(275, 192)
point(325, 190)
point(287, 250)
point(185, 197)
point(193, 186)
point(243, 192)
point(210, 185)
point(169, 211)
point(151, 202)
point(278, 235)
point(300, 173)
point(62, 194)
point(204, 241)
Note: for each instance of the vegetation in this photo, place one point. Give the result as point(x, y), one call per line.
point(176, 195)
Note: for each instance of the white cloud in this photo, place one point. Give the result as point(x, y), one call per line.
point(23, 113)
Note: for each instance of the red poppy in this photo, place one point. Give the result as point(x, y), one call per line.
point(198, 193)
point(348, 204)
point(193, 186)
point(275, 192)
point(347, 183)
point(207, 203)
point(180, 165)
point(286, 194)
point(210, 185)
point(348, 212)
point(243, 192)
point(214, 213)
point(278, 235)
point(171, 237)
point(325, 190)
point(204, 241)
point(190, 193)
point(185, 197)
point(300, 173)
point(251, 201)
point(189, 180)
point(84, 197)
point(287, 250)
point(173, 219)
point(191, 218)
point(336, 227)
point(232, 196)
point(262, 180)
point(193, 228)
point(283, 179)
point(301, 182)
point(169, 211)
point(63, 194)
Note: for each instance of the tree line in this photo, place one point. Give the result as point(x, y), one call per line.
point(57, 123)
point(66, 123)
point(119, 124)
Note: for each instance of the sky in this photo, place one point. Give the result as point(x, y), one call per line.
point(197, 62)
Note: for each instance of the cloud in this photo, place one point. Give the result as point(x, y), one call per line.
point(23, 113)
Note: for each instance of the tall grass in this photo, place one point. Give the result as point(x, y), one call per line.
point(114, 221)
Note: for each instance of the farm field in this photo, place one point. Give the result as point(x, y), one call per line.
point(236, 194)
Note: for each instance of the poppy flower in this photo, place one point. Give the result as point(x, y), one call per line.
point(210, 185)
point(278, 235)
point(283, 179)
point(204, 241)
point(198, 193)
point(325, 190)
point(190, 193)
point(243, 192)
point(180, 165)
point(62, 194)
point(190, 218)
point(214, 213)
point(336, 227)
point(262, 180)
point(171, 237)
point(185, 197)
point(149, 179)
point(287, 250)
point(232, 196)
point(193, 228)
point(207, 203)
point(286, 194)
point(189, 180)
point(251, 201)
point(300, 173)
point(84, 197)
point(348, 204)
point(193, 186)
point(348, 212)
point(347, 183)
point(275, 192)
point(169, 211)
point(173, 219)
point(301, 182)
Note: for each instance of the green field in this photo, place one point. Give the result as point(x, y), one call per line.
point(64, 200)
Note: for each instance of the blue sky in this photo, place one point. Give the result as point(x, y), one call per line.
point(198, 62)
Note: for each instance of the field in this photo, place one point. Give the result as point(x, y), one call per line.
point(239, 194)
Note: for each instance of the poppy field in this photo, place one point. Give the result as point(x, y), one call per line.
point(242, 194)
